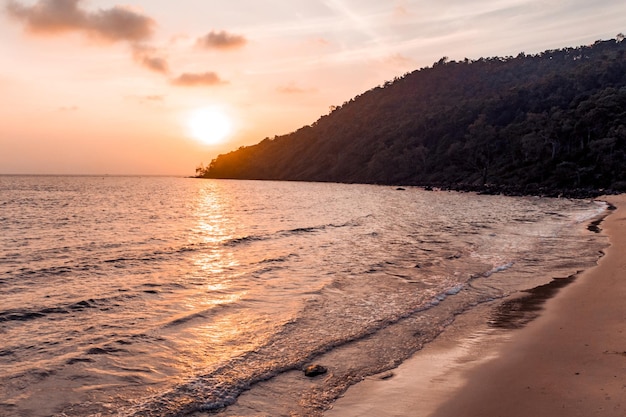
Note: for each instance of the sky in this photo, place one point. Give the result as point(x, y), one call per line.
point(157, 87)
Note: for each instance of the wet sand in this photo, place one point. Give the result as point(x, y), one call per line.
point(568, 362)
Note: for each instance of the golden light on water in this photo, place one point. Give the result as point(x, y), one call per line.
point(214, 321)
point(213, 229)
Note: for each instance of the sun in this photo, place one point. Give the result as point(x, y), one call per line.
point(209, 125)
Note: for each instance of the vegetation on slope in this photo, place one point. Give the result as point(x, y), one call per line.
point(551, 121)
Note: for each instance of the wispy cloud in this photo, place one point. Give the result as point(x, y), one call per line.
point(221, 40)
point(399, 60)
point(150, 59)
point(53, 16)
point(292, 88)
point(320, 42)
point(401, 10)
point(155, 63)
point(358, 22)
point(189, 79)
point(117, 24)
point(150, 99)
point(156, 97)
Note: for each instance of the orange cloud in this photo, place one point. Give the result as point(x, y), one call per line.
point(54, 16)
point(198, 79)
point(155, 63)
point(221, 40)
point(149, 58)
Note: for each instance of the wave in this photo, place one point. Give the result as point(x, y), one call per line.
point(279, 259)
point(204, 314)
point(220, 387)
point(445, 294)
point(28, 314)
point(286, 233)
point(91, 266)
point(244, 240)
point(602, 208)
point(283, 233)
point(156, 255)
point(499, 268)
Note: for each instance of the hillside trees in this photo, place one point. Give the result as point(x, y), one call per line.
point(555, 119)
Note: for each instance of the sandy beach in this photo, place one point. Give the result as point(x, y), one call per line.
point(570, 361)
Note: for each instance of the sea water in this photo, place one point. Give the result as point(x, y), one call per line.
point(150, 296)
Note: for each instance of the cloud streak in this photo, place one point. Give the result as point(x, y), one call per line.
point(55, 16)
point(189, 79)
point(221, 40)
point(150, 99)
point(359, 23)
point(292, 88)
point(66, 109)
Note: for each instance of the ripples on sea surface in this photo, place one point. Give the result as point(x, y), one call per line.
point(161, 296)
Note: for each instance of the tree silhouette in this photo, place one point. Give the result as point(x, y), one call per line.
point(539, 123)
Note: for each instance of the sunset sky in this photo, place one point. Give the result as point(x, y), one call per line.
point(128, 87)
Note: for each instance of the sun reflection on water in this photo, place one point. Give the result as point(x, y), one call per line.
point(225, 314)
point(212, 230)
point(219, 329)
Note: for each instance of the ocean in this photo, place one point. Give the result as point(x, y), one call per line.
point(161, 296)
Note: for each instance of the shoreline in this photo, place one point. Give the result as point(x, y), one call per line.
point(569, 361)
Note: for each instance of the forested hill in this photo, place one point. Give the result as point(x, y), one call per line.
point(551, 121)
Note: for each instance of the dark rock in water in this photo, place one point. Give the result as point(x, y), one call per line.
point(314, 370)
point(386, 375)
point(595, 226)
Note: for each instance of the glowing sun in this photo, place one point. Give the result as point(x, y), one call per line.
point(209, 125)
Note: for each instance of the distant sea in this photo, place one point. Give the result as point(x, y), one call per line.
point(150, 296)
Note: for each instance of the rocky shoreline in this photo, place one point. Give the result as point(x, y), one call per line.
point(523, 190)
